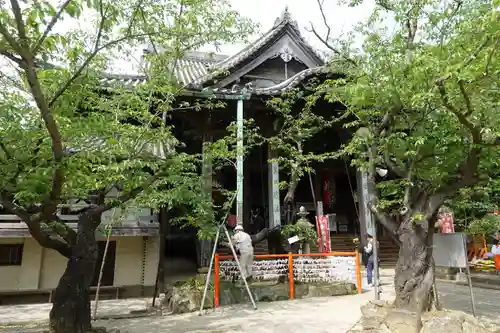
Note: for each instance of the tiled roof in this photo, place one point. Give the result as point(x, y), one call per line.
point(187, 70)
point(276, 89)
point(134, 80)
point(280, 25)
point(198, 68)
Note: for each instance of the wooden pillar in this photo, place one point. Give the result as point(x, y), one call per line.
point(366, 219)
point(318, 186)
point(274, 190)
point(247, 196)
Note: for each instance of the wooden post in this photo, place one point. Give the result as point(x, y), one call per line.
point(216, 281)
point(291, 285)
point(239, 162)
point(108, 229)
point(160, 272)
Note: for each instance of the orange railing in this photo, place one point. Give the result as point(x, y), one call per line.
point(290, 274)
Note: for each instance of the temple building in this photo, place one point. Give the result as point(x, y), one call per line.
point(279, 60)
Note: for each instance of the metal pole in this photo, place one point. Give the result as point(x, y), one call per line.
point(207, 282)
point(239, 267)
point(214, 250)
point(376, 280)
point(371, 226)
point(239, 162)
point(469, 279)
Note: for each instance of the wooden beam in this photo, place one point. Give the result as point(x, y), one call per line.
point(128, 231)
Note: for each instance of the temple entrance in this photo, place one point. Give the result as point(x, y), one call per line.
point(180, 256)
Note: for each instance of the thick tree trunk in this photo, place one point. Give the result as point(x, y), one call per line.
point(71, 301)
point(414, 270)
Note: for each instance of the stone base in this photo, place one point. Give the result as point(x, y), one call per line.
point(182, 298)
point(381, 317)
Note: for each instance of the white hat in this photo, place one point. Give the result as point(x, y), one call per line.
point(238, 227)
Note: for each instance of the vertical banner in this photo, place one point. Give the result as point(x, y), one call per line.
point(231, 221)
point(323, 234)
point(446, 222)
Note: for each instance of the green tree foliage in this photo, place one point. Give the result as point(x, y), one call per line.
point(426, 93)
point(64, 135)
point(421, 91)
point(487, 225)
point(472, 203)
point(296, 125)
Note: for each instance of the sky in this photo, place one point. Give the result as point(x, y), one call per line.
point(341, 20)
point(340, 17)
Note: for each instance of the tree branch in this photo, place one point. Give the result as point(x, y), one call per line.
point(50, 26)
point(10, 40)
point(126, 196)
point(69, 235)
point(468, 169)
point(7, 153)
point(21, 28)
point(35, 229)
point(393, 166)
point(387, 222)
point(471, 58)
point(324, 40)
point(86, 63)
point(490, 56)
point(462, 118)
point(466, 97)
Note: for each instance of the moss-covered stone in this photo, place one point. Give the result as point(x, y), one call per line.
point(186, 296)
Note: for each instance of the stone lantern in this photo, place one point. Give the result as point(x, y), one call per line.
point(306, 229)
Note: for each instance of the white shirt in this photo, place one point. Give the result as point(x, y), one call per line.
point(369, 248)
point(243, 242)
point(495, 250)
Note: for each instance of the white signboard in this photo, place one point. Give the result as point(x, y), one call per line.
point(449, 250)
point(275, 181)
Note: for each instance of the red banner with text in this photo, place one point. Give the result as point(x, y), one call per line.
point(324, 243)
point(446, 222)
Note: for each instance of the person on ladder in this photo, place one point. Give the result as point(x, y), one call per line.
point(243, 243)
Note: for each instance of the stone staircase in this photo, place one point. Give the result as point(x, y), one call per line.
point(388, 250)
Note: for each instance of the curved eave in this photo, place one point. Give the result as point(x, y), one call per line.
point(233, 61)
point(133, 82)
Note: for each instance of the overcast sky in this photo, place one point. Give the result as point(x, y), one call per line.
point(340, 17)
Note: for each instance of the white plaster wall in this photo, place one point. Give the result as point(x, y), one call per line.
point(42, 268)
point(26, 275)
point(129, 256)
point(53, 266)
point(151, 266)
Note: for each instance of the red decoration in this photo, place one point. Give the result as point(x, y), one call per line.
point(324, 242)
point(447, 225)
point(231, 221)
point(326, 192)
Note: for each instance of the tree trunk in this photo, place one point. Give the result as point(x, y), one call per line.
point(71, 312)
point(414, 270)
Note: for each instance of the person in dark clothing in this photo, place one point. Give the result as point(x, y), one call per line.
point(368, 249)
point(256, 221)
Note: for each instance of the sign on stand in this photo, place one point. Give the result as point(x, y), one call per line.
point(450, 250)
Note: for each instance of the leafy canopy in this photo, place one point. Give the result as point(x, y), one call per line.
point(424, 86)
point(66, 135)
